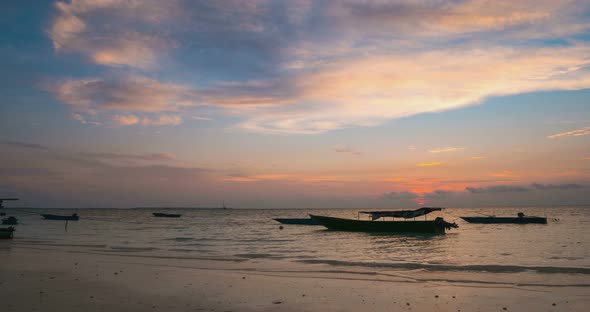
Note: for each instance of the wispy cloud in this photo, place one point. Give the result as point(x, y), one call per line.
point(477, 157)
point(131, 157)
point(430, 164)
point(160, 120)
point(579, 132)
point(399, 195)
point(569, 186)
point(342, 148)
point(26, 145)
point(446, 150)
point(504, 174)
point(497, 189)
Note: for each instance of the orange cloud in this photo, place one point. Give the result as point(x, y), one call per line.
point(430, 164)
point(162, 120)
point(446, 150)
point(504, 174)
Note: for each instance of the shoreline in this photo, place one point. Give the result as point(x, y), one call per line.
point(41, 279)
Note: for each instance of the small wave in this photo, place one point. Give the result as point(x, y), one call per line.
point(180, 239)
point(41, 243)
point(258, 256)
point(437, 267)
point(132, 249)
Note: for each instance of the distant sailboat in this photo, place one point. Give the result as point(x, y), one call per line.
point(223, 205)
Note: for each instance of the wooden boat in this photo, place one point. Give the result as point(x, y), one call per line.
point(166, 215)
point(73, 217)
point(436, 226)
point(300, 221)
point(10, 221)
point(519, 219)
point(6, 233)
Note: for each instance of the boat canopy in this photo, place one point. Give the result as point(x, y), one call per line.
point(406, 214)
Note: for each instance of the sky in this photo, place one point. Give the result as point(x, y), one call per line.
point(295, 104)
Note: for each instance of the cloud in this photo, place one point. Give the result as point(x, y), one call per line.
point(399, 196)
point(497, 189)
point(133, 157)
point(113, 32)
point(340, 148)
point(579, 132)
point(430, 164)
point(26, 145)
point(124, 93)
point(569, 186)
point(446, 150)
point(161, 120)
point(504, 174)
point(287, 67)
point(84, 120)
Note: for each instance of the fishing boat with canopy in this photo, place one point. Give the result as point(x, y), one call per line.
point(436, 226)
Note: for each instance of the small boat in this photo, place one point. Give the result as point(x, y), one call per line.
point(436, 226)
point(73, 217)
point(10, 221)
point(166, 215)
point(301, 221)
point(519, 219)
point(6, 233)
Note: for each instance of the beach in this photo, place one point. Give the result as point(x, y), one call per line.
point(45, 279)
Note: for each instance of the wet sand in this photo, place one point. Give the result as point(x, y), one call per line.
point(37, 279)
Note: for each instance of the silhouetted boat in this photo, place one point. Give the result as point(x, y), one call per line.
point(73, 217)
point(166, 215)
point(10, 221)
point(6, 233)
point(520, 219)
point(436, 226)
point(301, 221)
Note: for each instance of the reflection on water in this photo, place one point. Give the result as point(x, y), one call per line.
point(252, 234)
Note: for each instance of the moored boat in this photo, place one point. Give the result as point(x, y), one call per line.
point(73, 217)
point(519, 219)
point(300, 221)
point(10, 221)
point(436, 226)
point(165, 215)
point(6, 233)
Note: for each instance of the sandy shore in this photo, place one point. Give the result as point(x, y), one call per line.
point(37, 279)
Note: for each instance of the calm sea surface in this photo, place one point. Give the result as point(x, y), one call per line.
point(560, 247)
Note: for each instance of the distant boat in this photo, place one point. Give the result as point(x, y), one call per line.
point(166, 215)
point(6, 233)
point(223, 206)
point(73, 217)
point(10, 221)
point(436, 226)
point(301, 221)
point(519, 219)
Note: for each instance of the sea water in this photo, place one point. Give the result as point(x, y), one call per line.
point(557, 253)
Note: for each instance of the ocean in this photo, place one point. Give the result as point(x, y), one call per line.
point(555, 254)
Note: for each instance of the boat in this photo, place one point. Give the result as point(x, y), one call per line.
point(300, 221)
point(10, 221)
point(6, 233)
point(73, 217)
point(166, 215)
point(519, 219)
point(436, 226)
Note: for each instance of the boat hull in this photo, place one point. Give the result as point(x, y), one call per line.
point(300, 221)
point(506, 220)
point(165, 215)
point(341, 224)
point(60, 218)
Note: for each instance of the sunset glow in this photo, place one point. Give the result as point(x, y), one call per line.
point(295, 103)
